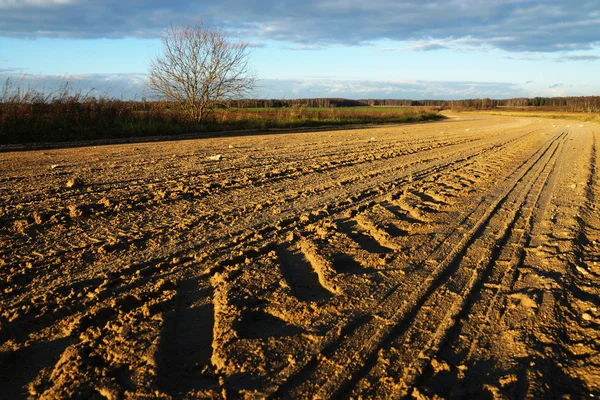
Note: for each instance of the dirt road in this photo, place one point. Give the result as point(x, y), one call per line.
point(452, 259)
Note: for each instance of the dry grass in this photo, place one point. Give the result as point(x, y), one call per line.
point(29, 115)
point(576, 116)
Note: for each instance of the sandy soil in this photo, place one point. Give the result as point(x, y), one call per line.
point(455, 259)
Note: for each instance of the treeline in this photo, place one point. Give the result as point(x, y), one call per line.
point(280, 103)
point(401, 103)
point(332, 102)
point(579, 104)
point(574, 104)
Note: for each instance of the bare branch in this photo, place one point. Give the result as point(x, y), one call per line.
point(200, 69)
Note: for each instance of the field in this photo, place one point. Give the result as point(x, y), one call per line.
point(35, 118)
point(456, 258)
point(374, 109)
point(575, 116)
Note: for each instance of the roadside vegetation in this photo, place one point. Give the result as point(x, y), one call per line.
point(28, 115)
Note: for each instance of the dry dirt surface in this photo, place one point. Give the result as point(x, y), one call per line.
point(455, 259)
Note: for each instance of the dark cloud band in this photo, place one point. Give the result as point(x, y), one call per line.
point(514, 25)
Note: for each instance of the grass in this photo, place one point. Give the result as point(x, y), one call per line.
point(28, 116)
point(104, 119)
point(311, 117)
point(375, 109)
point(576, 116)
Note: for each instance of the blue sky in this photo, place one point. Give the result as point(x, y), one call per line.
point(434, 49)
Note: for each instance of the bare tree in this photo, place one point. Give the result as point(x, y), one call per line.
point(200, 69)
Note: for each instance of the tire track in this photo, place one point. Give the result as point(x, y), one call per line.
point(184, 255)
point(500, 258)
point(292, 282)
point(367, 340)
point(419, 174)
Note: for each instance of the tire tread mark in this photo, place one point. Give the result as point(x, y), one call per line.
point(368, 337)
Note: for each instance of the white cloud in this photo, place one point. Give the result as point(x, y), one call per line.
point(34, 3)
point(409, 89)
point(428, 46)
point(578, 57)
point(125, 86)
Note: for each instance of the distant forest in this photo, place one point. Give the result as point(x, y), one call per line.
point(575, 104)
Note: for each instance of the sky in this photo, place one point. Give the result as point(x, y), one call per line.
point(426, 49)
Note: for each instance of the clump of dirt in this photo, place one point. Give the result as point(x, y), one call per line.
point(74, 182)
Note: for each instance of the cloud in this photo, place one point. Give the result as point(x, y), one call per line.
point(303, 47)
point(119, 86)
point(133, 86)
point(556, 86)
point(528, 82)
point(512, 25)
point(32, 3)
point(578, 57)
point(11, 70)
point(256, 45)
point(561, 57)
point(360, 89)
point(428, 47)
point(528, 56)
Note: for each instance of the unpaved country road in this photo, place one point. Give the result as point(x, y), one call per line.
point(454, 259)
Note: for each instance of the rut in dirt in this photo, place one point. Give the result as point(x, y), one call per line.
point(454, 259)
